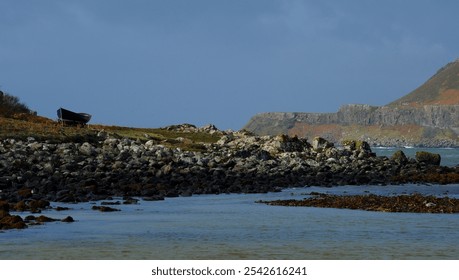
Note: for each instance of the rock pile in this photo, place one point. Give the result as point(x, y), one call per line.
point(238, 163)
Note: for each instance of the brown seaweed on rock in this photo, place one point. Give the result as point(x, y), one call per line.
point(415, 203)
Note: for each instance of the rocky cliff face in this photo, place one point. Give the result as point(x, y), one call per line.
point(428, 116)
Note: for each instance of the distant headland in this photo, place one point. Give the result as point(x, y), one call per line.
point(426, 117)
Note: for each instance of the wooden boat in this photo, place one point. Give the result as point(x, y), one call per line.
point(67, 116)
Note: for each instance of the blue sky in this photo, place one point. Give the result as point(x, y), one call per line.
point(155, 63)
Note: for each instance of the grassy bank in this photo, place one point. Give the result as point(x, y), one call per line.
point(22, 126)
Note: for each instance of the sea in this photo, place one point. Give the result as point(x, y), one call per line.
point(235, 227)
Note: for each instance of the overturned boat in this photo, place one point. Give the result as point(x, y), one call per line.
point(69, 117)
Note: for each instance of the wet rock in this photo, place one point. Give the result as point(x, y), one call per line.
point(60, 208)
point(12, 222)
point(21, 206)
point(104, 209)
point(45, 219)
point(68, 219)
point(38, 204)
point(153, 198)
point(416, 203)
point(110, 203)
point(30, 218)
point(130, 200)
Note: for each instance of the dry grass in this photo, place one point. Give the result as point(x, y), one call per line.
point(40, 128)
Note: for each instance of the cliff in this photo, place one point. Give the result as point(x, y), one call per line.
point(428, 116)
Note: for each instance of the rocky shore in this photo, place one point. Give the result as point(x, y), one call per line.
point(107, 166)
point(414, 203)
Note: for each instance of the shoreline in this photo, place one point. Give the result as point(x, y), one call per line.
point(33, 170)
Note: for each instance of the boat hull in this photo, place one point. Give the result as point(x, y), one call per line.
point(68, 116)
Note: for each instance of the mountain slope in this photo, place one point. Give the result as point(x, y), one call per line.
point(441, 89)
point(428, 116)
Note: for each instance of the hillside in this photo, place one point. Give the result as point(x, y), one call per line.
point(428, 116)
point(440, 89)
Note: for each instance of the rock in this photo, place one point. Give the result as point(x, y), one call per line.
point(110, 203)
point(38, 204)
point(102, 134)
point(153, 198)
point(4, 205)
point(353, 145)
point(4, 214)
point(21, 206)
point(415, 203)
point(210, 128)
point(87, 149)
point(59, 208)
point(399, 156)
point(68, 219)
point(239, 162)
point(30, 218)
point(428, 158)
point(130, 200)
point(12, 222)
point(104, 209)
point(320, 144)
point(44, 219)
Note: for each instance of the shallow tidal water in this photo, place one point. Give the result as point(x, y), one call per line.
point(233, 226)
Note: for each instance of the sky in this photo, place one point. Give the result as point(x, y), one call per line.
point(154, 63)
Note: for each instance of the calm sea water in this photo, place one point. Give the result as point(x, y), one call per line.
point(234, 227)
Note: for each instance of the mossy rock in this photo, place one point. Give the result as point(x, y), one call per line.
point(428, 158)
point(353, 145)
point(399, 156)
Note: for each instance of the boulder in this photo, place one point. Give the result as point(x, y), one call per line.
point(12, 222)
point(87, 149)
point(399, 157)
point(104, 209)
point(320, 144)
point(68, 219)
point(45, 219)
point(353, 145)
point(428, 158)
